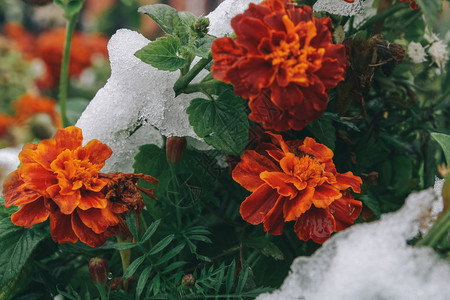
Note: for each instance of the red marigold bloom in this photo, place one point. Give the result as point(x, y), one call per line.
point(297, 181)
point(282, 60)
point(50, 47)
point(413, 4)
point(28, 105)
point(59, 179)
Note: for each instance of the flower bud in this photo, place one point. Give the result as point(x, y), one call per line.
point(175, 148)
point(98, 268)
point(188, 280)
point(200, 27)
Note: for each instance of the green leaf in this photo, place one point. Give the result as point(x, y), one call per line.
point(171, 254)
point(133, 267)
point(174, 266)
point(444, 142)
point(324, 131)
point(161, 245)
point(16, 247)
point(165, 16)
point(162, 54)
point(266, 247)
point(150, 231)
point(242, 279)
point(142, 282)
point(123, 246)
point(372, 203)
point(130, 220)
point(201, 47)
point(75, 107)
point(70, 7)
point(230, 277)
point(222, 123)
point(430, 9)
point(156, 284)
point(150, 160)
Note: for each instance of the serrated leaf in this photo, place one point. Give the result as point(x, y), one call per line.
point(161, 245)
point(162, 54)
point(372, 203)
point(124, 246)
point(171, 254)
point(133, 267)
point(174, 266)
point(430, 9)
point(324, 131)
point(150, 231)
point(164, 15)
point(266, 247)
point(230, 277)
point(201, 47)
point(444, 142)
point(222, 123)
point(242, 280)
point(142, 282)
point(130, 220)
point(16, 247)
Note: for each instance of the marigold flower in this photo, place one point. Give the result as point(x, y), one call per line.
point(28, 105)
point(59, 179)
point(282, 60)
point(297, 181)
point(5, 122)
point(413, 4)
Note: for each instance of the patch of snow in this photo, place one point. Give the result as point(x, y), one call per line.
point(340, 7)
point(9, 161)
point(372, 261)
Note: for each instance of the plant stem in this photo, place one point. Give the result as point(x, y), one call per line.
point(125, 256)
point(64, 76)
point(204, 86)
point(437, 233)
point(378, 17)
point(184, 80)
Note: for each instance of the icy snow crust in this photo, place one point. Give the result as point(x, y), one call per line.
point(372, 261)
point(138, 103)
point(9, 161)
point(340, 7)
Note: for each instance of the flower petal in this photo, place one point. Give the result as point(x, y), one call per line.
point(92, 200)
point(294, 208)
point(345, 211)
point(277, 180)
point(68, 138)
point(30, 214)
point(348, 180)
point(95, 152)
point(36, 177)
point(67, 203)
point(16, 191)
point(321, 152)
point(273, 221)
point(256, 206)
point(61, 228)
point(85, 234)
point(325, 194)
point(316, 224)
point(246, 173)
point(97, 219)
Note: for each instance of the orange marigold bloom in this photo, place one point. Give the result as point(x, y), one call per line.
point(282, 60)
point(28, 105)
point(413, 4)
point(5, 122)
point(23, 40)
point(59, 179)
point(297, 181)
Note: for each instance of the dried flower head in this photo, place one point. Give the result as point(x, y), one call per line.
point(297, 181)
point(282, 60)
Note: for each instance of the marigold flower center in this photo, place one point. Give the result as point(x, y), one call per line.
point(307, 168)
point(295, 57)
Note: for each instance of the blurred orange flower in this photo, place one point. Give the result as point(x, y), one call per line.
point(283, 60)
point(29, 105)
point(24, 42)
point(5, 122)
point(59, 179)
point(297, 181)
point(413, 4)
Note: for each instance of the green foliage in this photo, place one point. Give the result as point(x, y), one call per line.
point(222, 123)
point(444, 142)
point(430, 9)
point(162, 54)
point(17, 245)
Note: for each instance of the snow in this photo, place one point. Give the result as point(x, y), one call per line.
point(340, 7)
point(9, 161)
point(137, 93)
point(372, 261)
